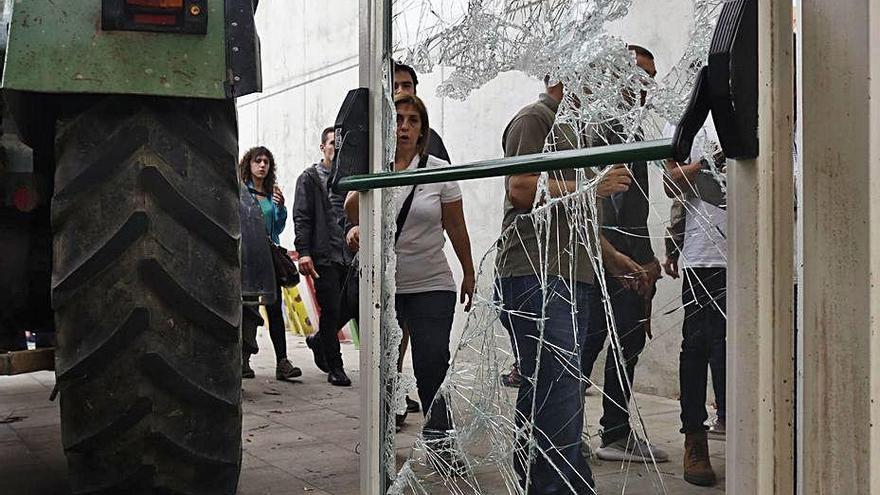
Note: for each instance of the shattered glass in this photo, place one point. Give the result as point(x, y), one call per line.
point(567, 41)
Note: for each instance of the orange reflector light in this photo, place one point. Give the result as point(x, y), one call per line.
point(156, 4)
point(155, 16)
point(155, 19)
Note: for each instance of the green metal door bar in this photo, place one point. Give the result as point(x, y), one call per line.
point(598, 156)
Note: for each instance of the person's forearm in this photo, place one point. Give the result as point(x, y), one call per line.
point(682, 177)
point(557, 187)
point(523, 189)
point(561, 187)
point(452, 218)
point(608, 249)
point(461, 243)
point(640, 245)
point(352, 207)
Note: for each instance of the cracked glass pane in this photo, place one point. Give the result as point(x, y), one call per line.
point(555, 287)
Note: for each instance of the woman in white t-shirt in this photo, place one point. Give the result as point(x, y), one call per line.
point(426, 291)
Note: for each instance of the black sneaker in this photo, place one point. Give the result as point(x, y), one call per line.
point(412, 406)
point(285, 370)
point(246, 370)
point(338, 378)
point(315, 346)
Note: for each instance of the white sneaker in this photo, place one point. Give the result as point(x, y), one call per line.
point(631, 448)
point(586, 448)
point(717, 430)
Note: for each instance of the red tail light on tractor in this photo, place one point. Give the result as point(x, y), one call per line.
point(165, 16)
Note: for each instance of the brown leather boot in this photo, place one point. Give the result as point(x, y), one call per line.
point(697, 468)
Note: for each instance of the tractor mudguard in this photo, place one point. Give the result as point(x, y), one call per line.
point(73, 49)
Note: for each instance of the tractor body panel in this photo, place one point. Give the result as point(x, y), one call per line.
point(61, 47)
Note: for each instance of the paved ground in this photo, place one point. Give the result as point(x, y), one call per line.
point(299, 437)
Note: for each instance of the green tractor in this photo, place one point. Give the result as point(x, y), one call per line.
point(120, 231)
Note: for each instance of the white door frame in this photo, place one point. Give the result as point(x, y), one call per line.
point(760, 334)
point(760, 367)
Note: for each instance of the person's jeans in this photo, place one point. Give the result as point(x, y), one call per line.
point(628, 309)
point(704, 343)
point(328, 292)
point(428, 315)
point(548, 336)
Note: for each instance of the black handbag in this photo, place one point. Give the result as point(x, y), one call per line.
point(286, 273)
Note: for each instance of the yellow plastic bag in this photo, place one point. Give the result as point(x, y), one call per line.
point(298, 321)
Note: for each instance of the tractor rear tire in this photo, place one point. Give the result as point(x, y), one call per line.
point(146, 288)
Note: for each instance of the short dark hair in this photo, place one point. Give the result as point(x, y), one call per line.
point(640, 50)
point(324, 133)
point(399, 67)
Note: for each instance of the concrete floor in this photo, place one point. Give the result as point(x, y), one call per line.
point(299, 437)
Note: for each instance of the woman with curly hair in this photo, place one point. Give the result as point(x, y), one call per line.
point(257, 171)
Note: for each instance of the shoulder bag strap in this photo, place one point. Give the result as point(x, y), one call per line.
point(407, 203)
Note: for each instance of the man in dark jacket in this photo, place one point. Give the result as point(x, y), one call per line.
point(405, 82)
point(319, 241)
point(349, 304)
point(624, 226)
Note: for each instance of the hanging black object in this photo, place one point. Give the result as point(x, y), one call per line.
point(727, 86)
point(352, 128)
point(257, 268)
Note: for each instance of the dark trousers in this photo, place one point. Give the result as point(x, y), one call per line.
point(704, 343)
point(250, 320)
point(547, 342)
point(628, 310)
point(428, 316)
point(328, 292)
point(276, 327)
point(350, 304)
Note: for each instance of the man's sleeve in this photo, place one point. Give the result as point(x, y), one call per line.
point(303, 216)
point(525, 136)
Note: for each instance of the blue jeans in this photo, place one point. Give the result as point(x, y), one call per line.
point(550, 402)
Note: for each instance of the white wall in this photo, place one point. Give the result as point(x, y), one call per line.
point(309, 57)
point(310, 61)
